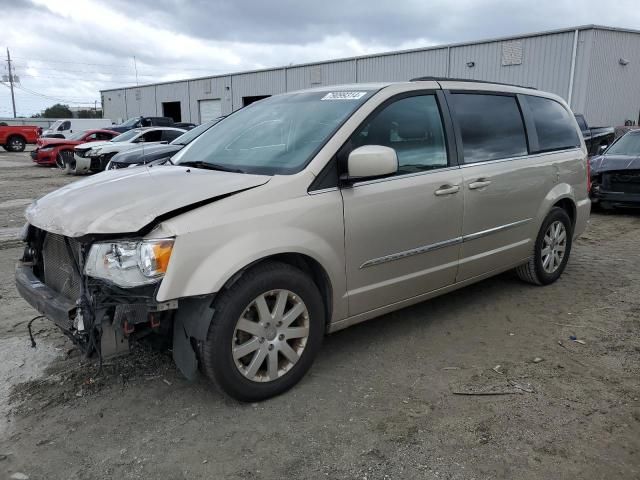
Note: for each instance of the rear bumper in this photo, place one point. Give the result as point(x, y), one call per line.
point(48, 302)
point(583, 210)
point(620, 199)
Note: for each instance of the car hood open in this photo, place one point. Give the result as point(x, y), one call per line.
point(128, 200)
point(608, 163)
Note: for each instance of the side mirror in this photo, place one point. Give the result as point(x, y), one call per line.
point(371, 161)
point(602, 148)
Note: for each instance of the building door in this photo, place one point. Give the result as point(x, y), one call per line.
point(172, 110)
point(209, 109)
point(246, 101)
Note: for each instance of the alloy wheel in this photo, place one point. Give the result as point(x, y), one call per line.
point(270, 335)
point(554, 245)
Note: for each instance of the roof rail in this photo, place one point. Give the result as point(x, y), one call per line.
point(446, 79)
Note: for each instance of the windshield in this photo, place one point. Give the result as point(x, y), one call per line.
point(130, 123)
point(55, 125)
point(77, 135)
point(189, 136)
point(627, 145)
point(126, 136)
point(275, 136)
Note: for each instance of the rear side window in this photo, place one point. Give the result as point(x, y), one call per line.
point(554, 125)
point(153, 136)
point(170, 135)
point(491, 126)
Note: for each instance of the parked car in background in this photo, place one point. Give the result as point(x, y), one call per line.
point(273, 227)
point(615, 175)
point(14, 138)
point(185, 125)
point(595, 138)
point(159, 152)
point(142, 122)
point(52, 151)
point(65, 128)
point(94, 157)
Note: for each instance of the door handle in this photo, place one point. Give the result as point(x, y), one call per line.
point(447, 190)
point(480, 183)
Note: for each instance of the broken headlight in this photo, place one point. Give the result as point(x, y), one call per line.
point(130, 263)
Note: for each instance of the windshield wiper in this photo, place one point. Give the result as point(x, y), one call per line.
point(210, 166)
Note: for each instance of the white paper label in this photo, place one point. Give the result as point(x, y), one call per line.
point(343, 95)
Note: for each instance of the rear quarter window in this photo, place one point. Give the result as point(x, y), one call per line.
point(491, 126)
point(554, 125)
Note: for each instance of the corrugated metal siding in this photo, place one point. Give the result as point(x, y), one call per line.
point(613, 92)
point(403, 66)
point(257, 83)
point(546, 63)
point(141, 101)
point(605, 91)
point(309, 76)
point(581, 75)
point(174, 92)
point(114, 105)
point(209, 89)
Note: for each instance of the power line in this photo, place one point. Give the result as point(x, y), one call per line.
point(146, 66)
point(52, 98)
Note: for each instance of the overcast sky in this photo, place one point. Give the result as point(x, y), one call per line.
point(67, 51)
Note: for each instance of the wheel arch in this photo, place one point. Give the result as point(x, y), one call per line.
point(303, 262)
point(569, 206)
point(16, 135)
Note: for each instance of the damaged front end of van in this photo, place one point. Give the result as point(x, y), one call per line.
point(96, 253)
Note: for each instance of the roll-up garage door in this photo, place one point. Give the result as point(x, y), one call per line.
point(209, 109)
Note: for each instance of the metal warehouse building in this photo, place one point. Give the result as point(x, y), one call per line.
point(595, 68)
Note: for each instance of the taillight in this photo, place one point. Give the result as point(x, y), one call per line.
point(588, 176)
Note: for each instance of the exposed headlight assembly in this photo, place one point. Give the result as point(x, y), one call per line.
point(94, 152)
point(130, 263)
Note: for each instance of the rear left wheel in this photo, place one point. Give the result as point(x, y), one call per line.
point(265, 333)
point(551, 250)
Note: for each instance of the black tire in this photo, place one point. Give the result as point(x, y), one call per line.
point(533, 271)
point(216, 352)
point(16, 143)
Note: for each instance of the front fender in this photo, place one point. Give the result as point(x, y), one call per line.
point(204, 260)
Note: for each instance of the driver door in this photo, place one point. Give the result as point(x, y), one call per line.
point(403, 233)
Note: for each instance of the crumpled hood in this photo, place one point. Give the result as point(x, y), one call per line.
point(44, 142)
point(607, 163)
point(127, 200)
point(84, 146)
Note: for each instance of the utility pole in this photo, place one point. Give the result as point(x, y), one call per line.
point(13, 98)
point(135, 66)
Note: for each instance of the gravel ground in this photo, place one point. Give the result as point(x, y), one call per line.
point(382, 400)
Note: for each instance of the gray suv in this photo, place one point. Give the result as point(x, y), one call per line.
point(306, 213)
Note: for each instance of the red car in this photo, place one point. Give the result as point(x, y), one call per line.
point(50, 151)
point(14, 137)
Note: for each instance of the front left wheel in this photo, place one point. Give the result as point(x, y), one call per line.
point(266, 331)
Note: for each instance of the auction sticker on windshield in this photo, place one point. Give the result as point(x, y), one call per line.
point(343, 95)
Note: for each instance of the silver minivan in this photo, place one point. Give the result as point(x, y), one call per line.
point(306, 213)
